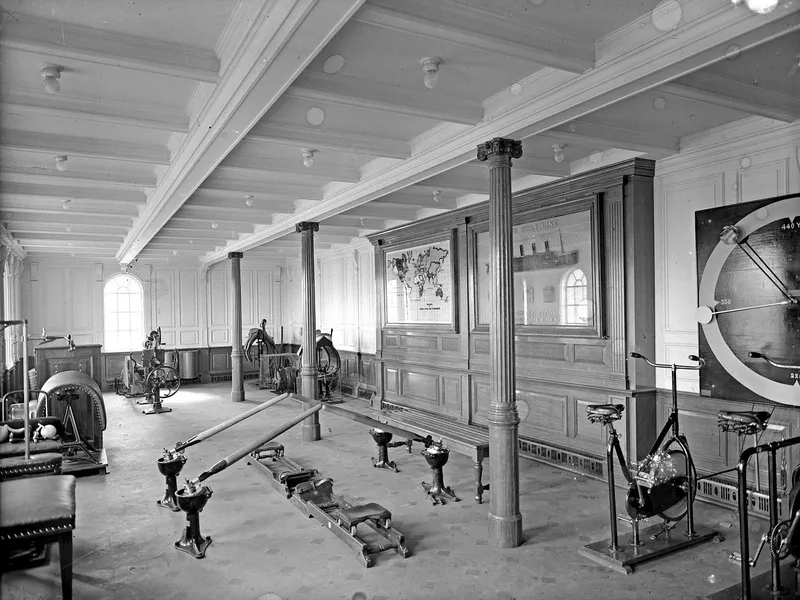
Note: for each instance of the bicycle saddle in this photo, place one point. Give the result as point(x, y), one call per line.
point(744, 422)
point(604, 412)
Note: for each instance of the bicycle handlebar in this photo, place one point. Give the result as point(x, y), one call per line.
point(772, 362)
point(672, 366)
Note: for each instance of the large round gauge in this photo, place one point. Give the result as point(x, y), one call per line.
point(748, 259)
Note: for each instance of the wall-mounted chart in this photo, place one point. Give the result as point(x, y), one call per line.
point(748, 311)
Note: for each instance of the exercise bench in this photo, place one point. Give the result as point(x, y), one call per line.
point(39, 509)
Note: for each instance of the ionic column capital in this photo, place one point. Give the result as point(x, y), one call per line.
point(306, 226)
point(235, 255)
point(500, 150)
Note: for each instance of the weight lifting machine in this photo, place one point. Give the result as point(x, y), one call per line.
point(171, 462)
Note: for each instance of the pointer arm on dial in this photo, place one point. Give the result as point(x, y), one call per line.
point(671, 366)
point(703, 314)
point(732, 235)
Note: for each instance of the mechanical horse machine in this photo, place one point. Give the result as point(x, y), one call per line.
point(276, 368)
point(152, 378)
point(309, 492)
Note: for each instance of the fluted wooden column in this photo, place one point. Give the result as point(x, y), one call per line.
point(308, 367)
point(237, 353)
point(505, 520)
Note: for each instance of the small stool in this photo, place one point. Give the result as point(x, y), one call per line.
point(48, 463)
point(350, 517)
point(39, 509)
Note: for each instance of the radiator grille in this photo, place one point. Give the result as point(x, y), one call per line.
point(561, 457)
point(724, 493)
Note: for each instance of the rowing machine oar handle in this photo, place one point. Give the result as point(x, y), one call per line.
point(204, 435)
point(245, 450)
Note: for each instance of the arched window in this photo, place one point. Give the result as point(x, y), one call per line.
point(123, 302)
point(575, 299)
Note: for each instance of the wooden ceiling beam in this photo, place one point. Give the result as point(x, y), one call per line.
point(241, 188)
point(62, 192)
point(21, 174)
point(462, 25)
point(322, 139)
point(730, 93)
point(65, 40)
point(350, 91)
point(53, 144)
point(240, 165)
point(92, 109)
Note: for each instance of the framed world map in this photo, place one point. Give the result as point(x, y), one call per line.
point(419, 284)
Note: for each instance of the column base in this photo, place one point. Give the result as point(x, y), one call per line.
point(237, 395)
point(311, 433)
point(505, 532)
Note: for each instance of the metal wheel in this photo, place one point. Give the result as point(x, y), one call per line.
point(678, 510)
point(166, 379)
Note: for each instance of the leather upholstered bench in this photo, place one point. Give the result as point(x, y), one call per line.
point(47, 463)
point(39, 509)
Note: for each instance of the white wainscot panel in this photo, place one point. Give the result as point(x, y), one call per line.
point(679, 203)
point(165, 297)
point(81, 298)
point(264, 291)
point(55, 295)
point(762, 181)
point(168, 337)
point(220, 336)
point(248, 315)
point(688, 381)
point(218, 286)
point(188, 306)
point(189, 338)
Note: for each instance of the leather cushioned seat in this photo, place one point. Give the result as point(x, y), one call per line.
point(758, 419)
point(48, 463)
point(35, 506)
point(358, 514)
point(18, 449)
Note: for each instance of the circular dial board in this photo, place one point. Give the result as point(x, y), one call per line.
point(748, 259)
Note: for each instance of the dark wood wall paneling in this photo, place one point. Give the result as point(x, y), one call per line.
point(445, 369)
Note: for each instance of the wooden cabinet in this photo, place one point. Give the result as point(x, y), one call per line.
point(55, 357)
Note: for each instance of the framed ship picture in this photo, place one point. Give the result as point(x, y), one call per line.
point(555, 270)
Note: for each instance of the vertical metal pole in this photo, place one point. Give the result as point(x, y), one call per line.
point(612, 496)
point(773, 516)
point(675, 430)
point(26, 389)
point(690, 492)
point(758, 464)
point(744, 536)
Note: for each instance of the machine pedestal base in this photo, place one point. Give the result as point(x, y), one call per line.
point(628, 556)
point(192, 541)
point(154, 410)
point(760, 586)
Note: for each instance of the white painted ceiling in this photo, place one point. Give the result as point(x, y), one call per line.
point(184, 121)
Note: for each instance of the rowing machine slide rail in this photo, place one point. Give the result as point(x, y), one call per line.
point(313, 495)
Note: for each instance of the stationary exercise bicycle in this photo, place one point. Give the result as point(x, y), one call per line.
point(663, 484)
point(783, 537)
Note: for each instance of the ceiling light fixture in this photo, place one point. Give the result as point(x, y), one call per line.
point(558, 152)
point(61, 163)
point(761, 7)
point(65, 203)
point(363, 221)
point(248, 199)
point(430, 65)
point(214, 224)
point(308, 156)
point(69, 228)
point(436, 195)
point(51, 74)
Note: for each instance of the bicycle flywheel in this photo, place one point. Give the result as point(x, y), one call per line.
point(682, 480)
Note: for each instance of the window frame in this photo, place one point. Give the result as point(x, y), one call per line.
point(134, 345)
